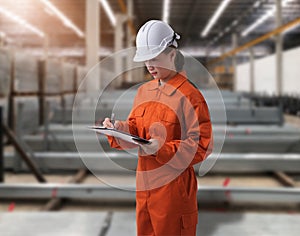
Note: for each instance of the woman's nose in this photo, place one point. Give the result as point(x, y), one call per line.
point(150, 67)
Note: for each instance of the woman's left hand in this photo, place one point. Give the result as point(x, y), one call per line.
point(151, 148)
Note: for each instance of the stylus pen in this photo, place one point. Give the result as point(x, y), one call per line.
point(112, 118)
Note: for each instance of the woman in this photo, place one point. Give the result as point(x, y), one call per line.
point(172, 114)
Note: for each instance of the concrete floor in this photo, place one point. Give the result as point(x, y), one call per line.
point(123, 223)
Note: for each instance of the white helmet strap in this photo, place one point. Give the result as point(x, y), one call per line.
point(168, 41)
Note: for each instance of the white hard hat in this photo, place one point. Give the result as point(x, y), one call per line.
point(153, 38)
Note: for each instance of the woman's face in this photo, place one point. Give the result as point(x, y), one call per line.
point(162, 67)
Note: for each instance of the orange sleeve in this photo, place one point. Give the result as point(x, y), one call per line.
point(197, 145)
point(128, 126)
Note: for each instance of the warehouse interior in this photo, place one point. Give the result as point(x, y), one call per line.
point(65, 65)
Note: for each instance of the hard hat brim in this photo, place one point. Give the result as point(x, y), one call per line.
point(143, 58)
point(147, 56)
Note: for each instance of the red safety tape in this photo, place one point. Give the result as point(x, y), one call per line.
point(11, 207)
point(227, 193)
point(248, 131)
point(54, 193)
point(226, 182)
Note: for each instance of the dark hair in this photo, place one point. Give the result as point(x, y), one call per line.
point(179, 58)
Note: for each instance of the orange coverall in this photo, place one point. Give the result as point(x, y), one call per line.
point(177, 115)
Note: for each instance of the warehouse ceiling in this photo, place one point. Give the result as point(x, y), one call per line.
point(188, 18)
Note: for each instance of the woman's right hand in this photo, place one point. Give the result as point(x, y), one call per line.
point(108, 124)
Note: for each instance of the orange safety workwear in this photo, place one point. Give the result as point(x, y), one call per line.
point(176, 114)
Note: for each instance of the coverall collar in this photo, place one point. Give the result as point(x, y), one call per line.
point(171, 85)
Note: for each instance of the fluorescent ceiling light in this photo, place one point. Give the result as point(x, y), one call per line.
point(215, 17)
point(109, 12)
point(234, 23)
point(22, 22)
point(166, 11)
point(66, 21)
point(257, 4)
point(262, 19)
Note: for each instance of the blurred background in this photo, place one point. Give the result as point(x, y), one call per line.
point(248, 49)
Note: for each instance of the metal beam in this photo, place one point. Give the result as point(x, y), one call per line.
point(279, 45)
point(248, 195)
point(1, 150)
point(235, 114)
point(234, 40)
point(264, 130)
point(56, 202)
point(127, 194)
point(256, 41)
point(233, 143)
point(25, 157)
point(285, 179)
point(129, 21)
point(115, 162)
point(252, 69)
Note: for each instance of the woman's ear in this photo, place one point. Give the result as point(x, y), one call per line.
point(173, 55)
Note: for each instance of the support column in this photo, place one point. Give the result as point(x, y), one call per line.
point(92, 42)
point(46, 47)
point(119, 37)
point(234, 41)
point(130, 39)
point(207, 55)
point(252, 68)
point(224, 63)
point(1, 150)
point(279, 42)
point(2, 37)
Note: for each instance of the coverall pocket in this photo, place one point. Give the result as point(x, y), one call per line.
point(139, 111)
point(139, 115)
point(172, 125)
point(189, 223)
point(169, 117)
